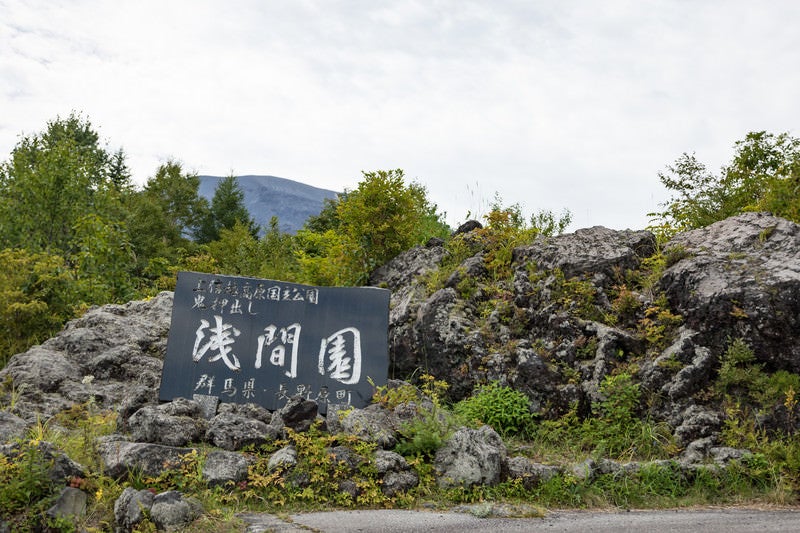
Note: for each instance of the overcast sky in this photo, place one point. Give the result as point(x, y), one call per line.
point(552, 104)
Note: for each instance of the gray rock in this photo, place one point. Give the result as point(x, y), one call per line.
point(171, 510)
point(395, 471)
point(11, 427)
point(722, 455)
point(345, 456)
point(407, 267)
point(110, 354)
point(286, 457)
point(697, 451)
point(121, 456)
point(42, 369)
point(371, 424)
point(584, 471)
point(349, 487)
point(657, 372)
point(596, 251)
point(208, 404)
point(232, 431)
point(468, 226)
point(740, 278)
point(70, 503)
point(298, 413)
point(175, 423)
point(398, 482)
point(248, 410)
point(222, 467)
point(442, 342)
point(131, 508)
point(530, 472)
point(692, 378)
point(698, 422)
point(471, 457)
point(473, 267)
point(387, 461)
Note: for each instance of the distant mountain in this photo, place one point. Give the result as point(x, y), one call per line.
point(267, 196)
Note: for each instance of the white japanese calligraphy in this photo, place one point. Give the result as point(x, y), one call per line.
point(289, 335)
point(221, 338)
point(340, 356)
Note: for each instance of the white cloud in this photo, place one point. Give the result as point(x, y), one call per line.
point(572, 104)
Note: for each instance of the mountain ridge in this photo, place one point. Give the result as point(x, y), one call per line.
point(296, 200)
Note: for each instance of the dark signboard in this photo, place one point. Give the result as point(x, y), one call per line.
point(254, 340)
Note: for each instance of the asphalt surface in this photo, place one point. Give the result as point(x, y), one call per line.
point(393, 521)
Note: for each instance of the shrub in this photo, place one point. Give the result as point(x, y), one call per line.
point(505, 409)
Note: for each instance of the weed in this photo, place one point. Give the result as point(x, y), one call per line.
point(425, 434)
point(505, 409)
point(658, 324)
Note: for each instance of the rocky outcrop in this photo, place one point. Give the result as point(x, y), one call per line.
point(740, 278)
point(111, 356)
point(568, 312)
point(599, 253)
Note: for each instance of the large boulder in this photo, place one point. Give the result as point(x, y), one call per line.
point(175, 423)
point(740, 278)
point(595, 252)
point(111, 356)
point(471, 457)
point(234, 431)
point(121, 457)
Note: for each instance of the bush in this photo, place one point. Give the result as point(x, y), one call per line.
point(505, 409)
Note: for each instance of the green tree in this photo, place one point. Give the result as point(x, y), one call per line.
point(328, 218)
point(102, 259)
point(764, 175)
point(51, 180)
point(280, 254)
point(238, 252)
point(165, 214)
point(37, 295)
point(227, 210)
point(381, 218)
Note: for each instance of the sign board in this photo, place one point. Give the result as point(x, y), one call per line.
point(262, 341)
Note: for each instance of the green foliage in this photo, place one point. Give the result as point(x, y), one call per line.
point(425, 434)
point(23, 479)
point(505, 409)
point(185, 475)
point(743, 381)
point(379, 219)
point(166, 213)
point(428, 431)
point(578, 295)
point(315, 481)
point(506, 228)
point(84, 423)
point(616, 429)
point(279, 251)
point(764, 175)
point(237, 251)
point(739, 373)
point(102, 259)
point(658, 324)
point(54, 178)
point(37, 295)
point(227, 210)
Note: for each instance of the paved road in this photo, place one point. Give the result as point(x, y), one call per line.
point(391, 521)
